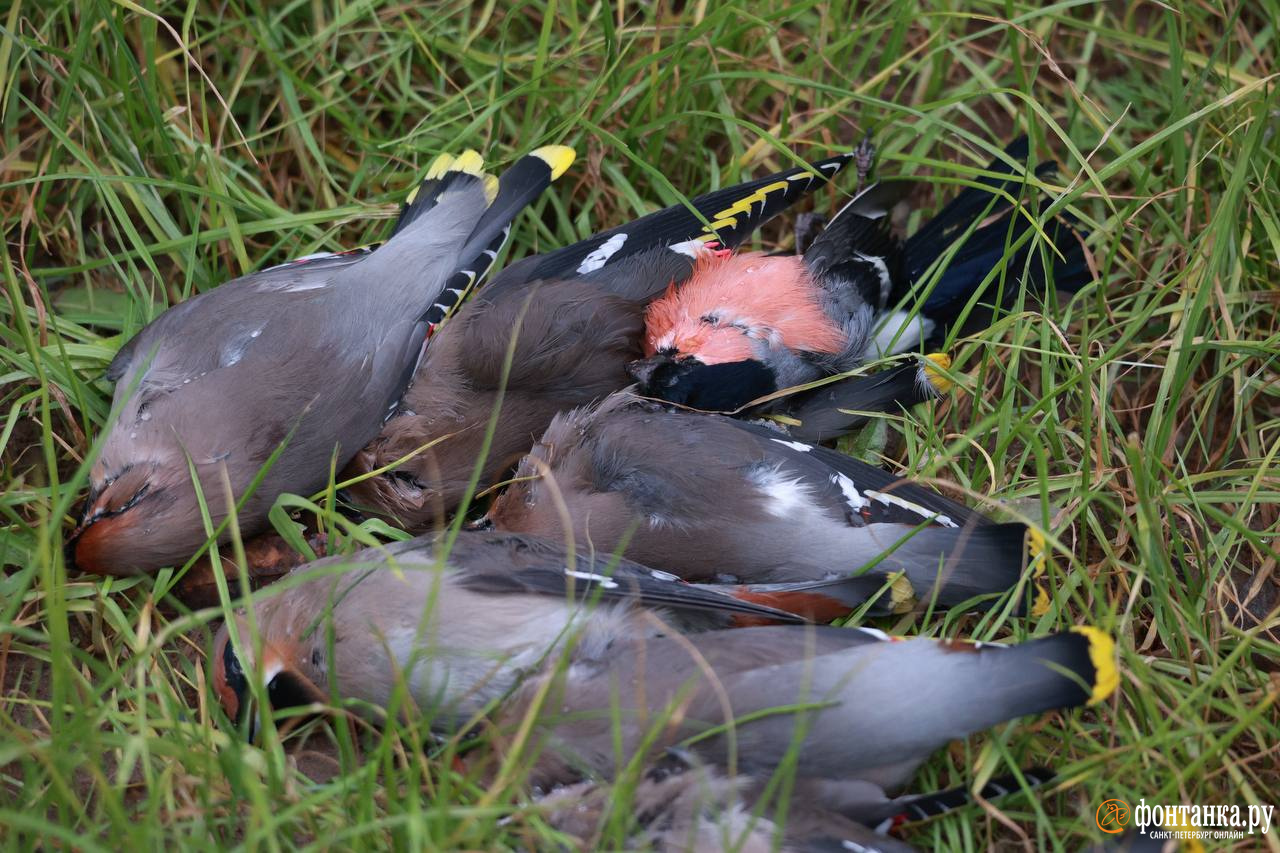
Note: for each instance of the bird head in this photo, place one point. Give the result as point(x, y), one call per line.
point(280, 667)
point(688, 381)
point(135, 518)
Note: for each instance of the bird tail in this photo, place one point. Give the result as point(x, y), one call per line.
point(987, 248)
point(1076, 667)
point(953, 565)
point(921, 807)
point(935, 565)
point(507, 196)
point(727, 216)
point(445, 173)
point(839, 407)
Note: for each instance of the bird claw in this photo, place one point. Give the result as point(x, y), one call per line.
point(863, 156)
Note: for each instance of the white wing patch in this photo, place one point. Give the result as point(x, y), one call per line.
point(689, 248)
point(794, 445)
point(850, 491)
point(894, 500)
point(602, 253)
point(882, 271)
point(603, 580)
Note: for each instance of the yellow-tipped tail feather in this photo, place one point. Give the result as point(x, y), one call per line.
point(935, 367)
point(1035, 546)
point(902, 595)
point(1102, 654)
point(468, 162)
point(557, 157)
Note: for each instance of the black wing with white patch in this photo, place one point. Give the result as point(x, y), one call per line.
point(726, 216)
point(872, 495)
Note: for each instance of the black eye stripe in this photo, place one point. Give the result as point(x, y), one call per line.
point(144, 492)
point(235, 679)
point(231, 666)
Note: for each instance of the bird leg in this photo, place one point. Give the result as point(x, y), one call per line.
point(808, 226)
point(863, 156)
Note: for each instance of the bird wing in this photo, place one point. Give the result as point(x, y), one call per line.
point(514, 564)
point(727, 215)
point(875, 495)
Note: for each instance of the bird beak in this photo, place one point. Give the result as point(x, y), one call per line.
point(642, 369)
point(287, 688)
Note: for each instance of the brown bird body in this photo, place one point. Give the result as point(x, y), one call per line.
point(697, 808)
point(682, 804)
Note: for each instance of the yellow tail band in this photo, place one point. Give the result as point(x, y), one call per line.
point(902, 596)
point(935, 365)
point(1102, 654)
point(557, 157)
point(468, 162)
point(1035, 546)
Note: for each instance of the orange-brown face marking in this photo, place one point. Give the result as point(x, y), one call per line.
point(92, 543)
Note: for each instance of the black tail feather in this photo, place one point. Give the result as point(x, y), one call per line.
point(927, 806)
point(446, 172)
point(926, 245)
point(840, 407)
point(519, 185)
point(1035, 266)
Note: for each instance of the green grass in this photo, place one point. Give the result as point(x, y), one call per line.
point(149, 154)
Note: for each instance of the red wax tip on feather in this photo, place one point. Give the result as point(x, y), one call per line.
point(811, 605)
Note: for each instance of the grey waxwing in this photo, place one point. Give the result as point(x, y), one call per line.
point(588, 663)
point(745, 326)
point(568, 322)
point(257, 385)
point(715, 499)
